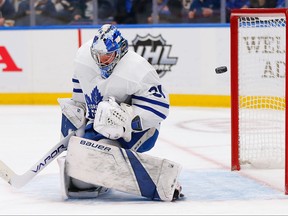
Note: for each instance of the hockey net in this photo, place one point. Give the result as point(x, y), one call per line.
point(258, 89)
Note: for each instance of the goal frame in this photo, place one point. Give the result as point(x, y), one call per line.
point(235, 14)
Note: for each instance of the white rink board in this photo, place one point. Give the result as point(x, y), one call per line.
point(46, 58)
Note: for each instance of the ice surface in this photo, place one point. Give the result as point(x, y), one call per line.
point(197, 138)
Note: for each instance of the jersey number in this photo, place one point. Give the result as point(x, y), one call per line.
point(157, 91)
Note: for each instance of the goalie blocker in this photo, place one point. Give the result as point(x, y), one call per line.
point(108, 166)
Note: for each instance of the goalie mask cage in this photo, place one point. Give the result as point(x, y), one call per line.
point(258, 89)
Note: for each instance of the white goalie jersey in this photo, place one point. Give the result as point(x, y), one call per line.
point(133, 81)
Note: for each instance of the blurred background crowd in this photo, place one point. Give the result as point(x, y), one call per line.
point(87, 12)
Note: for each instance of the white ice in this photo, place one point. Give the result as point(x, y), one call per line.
point(197, 138)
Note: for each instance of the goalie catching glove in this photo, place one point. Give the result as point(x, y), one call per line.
point(115, 121)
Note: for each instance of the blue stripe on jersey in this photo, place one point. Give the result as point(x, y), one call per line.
point(146, 185)
point(150, 101)
point(77, 90)
point(75, 80)
point(161, 115)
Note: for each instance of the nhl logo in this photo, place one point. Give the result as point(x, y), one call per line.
point(155, 51)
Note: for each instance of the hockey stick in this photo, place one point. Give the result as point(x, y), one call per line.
point(20, 180)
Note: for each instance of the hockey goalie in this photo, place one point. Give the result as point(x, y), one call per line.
point(116, 110)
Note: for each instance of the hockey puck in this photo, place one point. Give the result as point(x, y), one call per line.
point(221, 69)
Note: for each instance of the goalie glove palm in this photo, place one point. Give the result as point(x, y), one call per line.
point(114, 121)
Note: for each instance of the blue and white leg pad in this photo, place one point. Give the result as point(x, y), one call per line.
point(121, 169)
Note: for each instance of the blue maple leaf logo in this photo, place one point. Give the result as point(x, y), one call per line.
point(93, 101)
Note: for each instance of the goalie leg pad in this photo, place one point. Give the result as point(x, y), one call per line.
point(124, 170)
point(74, 188)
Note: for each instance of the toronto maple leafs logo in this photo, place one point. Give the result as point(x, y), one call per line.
point(93, 101)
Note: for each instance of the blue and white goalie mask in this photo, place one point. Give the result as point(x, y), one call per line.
point(107, 49)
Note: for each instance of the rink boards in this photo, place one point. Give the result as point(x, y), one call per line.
point(36, 64)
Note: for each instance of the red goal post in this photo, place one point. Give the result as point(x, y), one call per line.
point(258, 89)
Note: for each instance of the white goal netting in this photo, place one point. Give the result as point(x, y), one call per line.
point(261, 72)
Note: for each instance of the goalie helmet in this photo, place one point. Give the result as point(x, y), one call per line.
point(107, 48)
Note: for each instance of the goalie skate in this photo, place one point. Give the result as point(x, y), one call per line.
point(177, 193)
point(77, 193)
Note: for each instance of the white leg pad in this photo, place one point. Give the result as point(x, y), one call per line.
point(121, 169)
point(86, 190)
point(64, 181)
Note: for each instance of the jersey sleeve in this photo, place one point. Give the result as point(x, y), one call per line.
point(151, 102)
point(82, 65)
point(77, 94)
